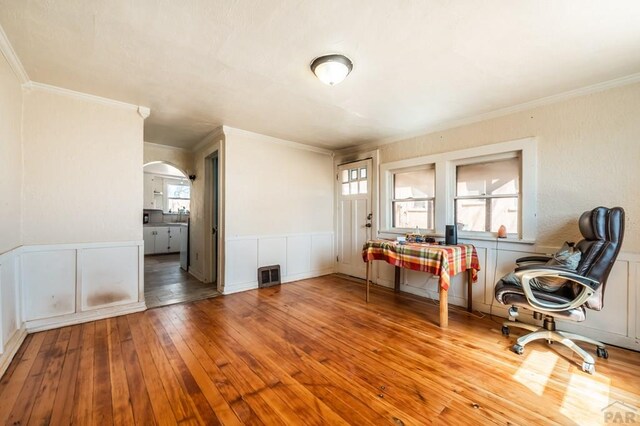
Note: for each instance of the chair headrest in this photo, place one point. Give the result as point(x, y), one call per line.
point(593, 224)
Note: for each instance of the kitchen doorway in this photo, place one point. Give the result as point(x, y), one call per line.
point(166, 229)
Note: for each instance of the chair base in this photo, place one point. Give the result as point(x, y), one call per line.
point(550, 334)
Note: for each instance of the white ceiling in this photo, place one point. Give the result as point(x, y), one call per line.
point(199, 64)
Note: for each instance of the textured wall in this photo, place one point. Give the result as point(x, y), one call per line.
point(82, 170)
point(588, 155)
point(180, 158)
point(10, 158)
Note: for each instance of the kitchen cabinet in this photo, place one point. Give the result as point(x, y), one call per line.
point(161, 239)
point(153, 191)
point(184, 246)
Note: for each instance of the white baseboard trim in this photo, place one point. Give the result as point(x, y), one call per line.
point(196, 275)
point(252, 285)
point(237, 288)
point(306, 275)
point(82, 317)
point(12, 346)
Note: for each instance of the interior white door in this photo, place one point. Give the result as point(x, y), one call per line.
point(354, 216)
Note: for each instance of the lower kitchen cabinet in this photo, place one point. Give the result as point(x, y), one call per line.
point(161, 239)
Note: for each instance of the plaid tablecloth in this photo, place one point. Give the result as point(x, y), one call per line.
point(445, 261)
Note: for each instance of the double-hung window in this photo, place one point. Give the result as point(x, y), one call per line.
point(178, 197)
point(413, 198)
point(487, 194)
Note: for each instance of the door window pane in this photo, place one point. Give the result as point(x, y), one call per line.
point(363, 173)
point(345, 176)
point(363, 186)
point(354, 188)
point(354, 174)
point(345, 189)
point(414, 184)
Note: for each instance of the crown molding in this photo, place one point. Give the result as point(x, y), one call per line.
point(218, 132)
point(171, 147)
point(12, 58)
point(548, 100)
point(33, 85)
point(296, 145)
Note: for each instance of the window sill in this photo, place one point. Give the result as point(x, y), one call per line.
point(395, 232)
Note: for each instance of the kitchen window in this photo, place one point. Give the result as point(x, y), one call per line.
point(178, 197)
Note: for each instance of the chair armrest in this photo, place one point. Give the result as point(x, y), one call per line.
point(560, 272)
point(526, 273)
point(532, 259)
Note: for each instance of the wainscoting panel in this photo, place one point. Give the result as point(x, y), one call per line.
point(49, 283)
point(299, 256)
point(273, 251)
point(9, 300)
point(618, 323)
point(108, 276)
point(66, 284)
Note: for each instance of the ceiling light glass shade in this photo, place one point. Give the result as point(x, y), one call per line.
point(331, 69)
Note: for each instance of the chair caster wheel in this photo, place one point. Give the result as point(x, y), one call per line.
point(602, 353)
point(588, 368)
point(518, 349)
point(505, 330)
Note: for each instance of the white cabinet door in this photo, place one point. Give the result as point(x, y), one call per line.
point(184, 241)
point(174, 239)
point(162, 239)
point(149, 236)
point(148, 191)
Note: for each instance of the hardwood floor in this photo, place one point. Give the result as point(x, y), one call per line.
point(310, 352)
point(165, 283)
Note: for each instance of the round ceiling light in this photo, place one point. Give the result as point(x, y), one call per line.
point(331, 69)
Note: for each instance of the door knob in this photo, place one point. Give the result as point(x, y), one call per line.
point(368, 225)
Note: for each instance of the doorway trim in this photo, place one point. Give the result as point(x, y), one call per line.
point(216, 149)
point(338, 160)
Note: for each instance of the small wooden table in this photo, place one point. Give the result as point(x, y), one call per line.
point(444, 261)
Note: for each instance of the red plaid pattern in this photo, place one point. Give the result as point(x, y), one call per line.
point(444, 261)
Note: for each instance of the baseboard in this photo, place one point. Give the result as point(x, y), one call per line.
point(82, 317)
point(306, 275)
point(252, 285)
point(240, 287)
point(12, 346)
point(196, 275)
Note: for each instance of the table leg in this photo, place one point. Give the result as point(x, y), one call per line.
point(469, 289)
point(367, 295)
point(444, 308)
point(396, 282)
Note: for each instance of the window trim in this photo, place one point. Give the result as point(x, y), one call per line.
point(390, 199)
point(480, 160)
point(445, 167)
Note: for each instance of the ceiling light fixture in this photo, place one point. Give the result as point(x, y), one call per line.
point(331, 69)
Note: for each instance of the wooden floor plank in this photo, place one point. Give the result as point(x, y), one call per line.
point(309, 352)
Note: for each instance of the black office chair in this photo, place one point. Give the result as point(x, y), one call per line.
point(602, 229)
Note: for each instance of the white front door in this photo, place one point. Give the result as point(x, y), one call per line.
point(354, 216)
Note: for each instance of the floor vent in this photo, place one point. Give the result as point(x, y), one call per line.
point(268, 276)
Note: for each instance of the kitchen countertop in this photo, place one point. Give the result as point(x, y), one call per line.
point(165, 224)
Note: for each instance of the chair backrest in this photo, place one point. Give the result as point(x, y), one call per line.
point(603, 230)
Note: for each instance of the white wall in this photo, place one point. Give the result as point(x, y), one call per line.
point(179, 157)
point(277, 208)
point(10, 158)
point(82, 170)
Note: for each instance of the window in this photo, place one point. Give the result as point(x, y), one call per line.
point(413, 196)
point(354, 181)
point(479, 189)
point(178, 197)
point(488, 195)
